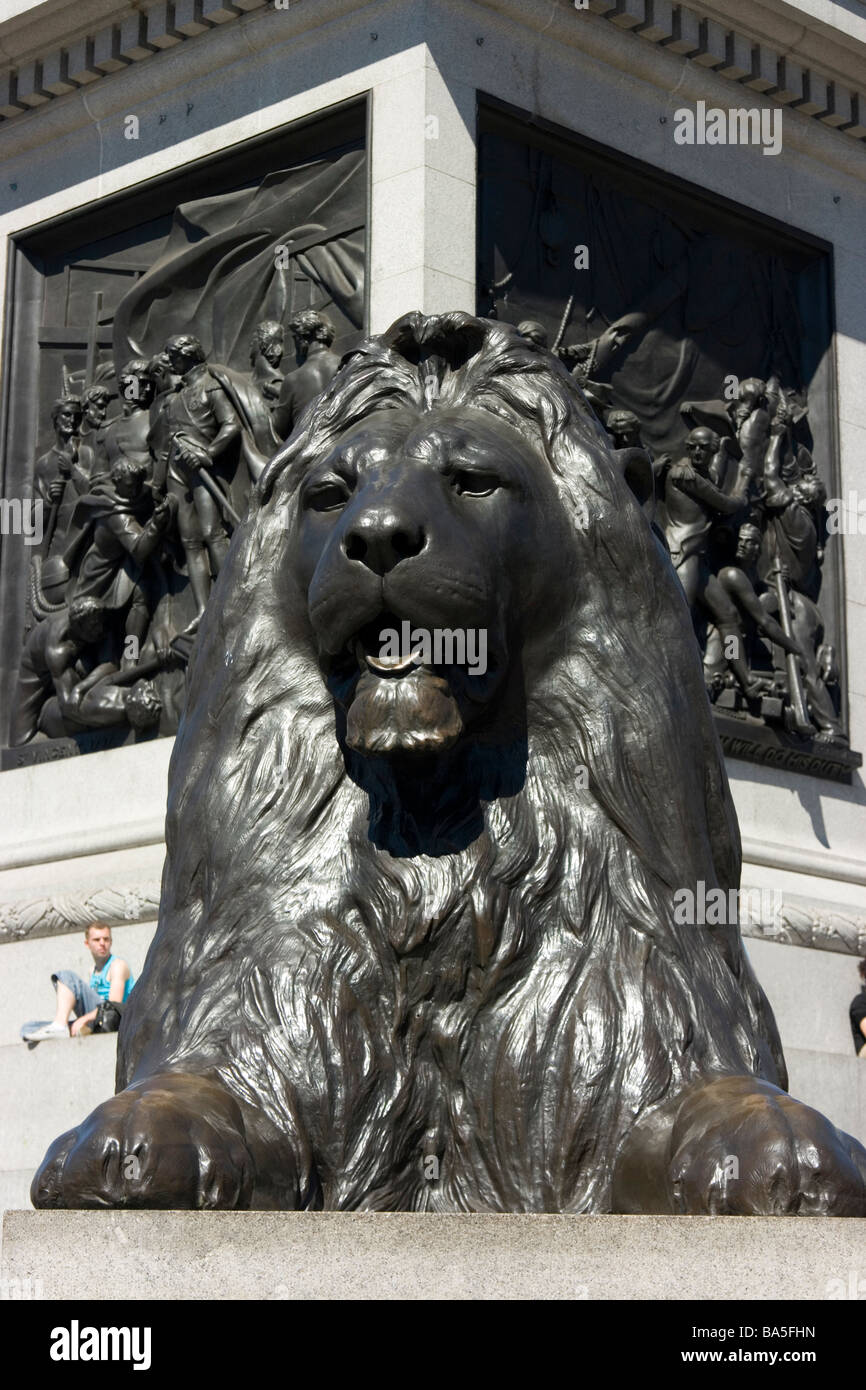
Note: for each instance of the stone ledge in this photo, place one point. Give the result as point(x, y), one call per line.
point(121, 899)
point(35, 76)
point(48, 1088)
point(409, 1256)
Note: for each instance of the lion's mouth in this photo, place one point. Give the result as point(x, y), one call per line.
point(392, 648)
point(390, 665)
point(366, 652)
point(398, 665)
point(397, 699)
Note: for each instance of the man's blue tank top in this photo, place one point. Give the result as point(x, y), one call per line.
point(100, 982)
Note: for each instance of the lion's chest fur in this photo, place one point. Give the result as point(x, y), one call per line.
point(429, 1079)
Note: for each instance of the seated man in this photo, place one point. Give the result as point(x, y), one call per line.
point(111, 978)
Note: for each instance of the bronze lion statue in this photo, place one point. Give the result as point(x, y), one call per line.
point(417, 947)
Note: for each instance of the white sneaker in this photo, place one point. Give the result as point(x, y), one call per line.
point(48, 1030)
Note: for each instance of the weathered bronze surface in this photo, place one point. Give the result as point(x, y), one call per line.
point(156, 397)
point(677, 316)
point(418, 946)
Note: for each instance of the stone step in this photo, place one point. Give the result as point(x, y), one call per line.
point(363, 1255)
point(832, 1084)
point(49, 1088)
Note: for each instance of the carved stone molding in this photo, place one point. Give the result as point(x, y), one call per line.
point(68, 912)
point(791, 920)
point(796, 921)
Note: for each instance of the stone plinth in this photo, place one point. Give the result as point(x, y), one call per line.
point(355, 1255)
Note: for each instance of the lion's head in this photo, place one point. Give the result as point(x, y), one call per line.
point(423, 522)
point(415, 530)
point(388, 802)
point(453, 480)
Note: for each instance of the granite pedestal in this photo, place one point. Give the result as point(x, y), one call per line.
point(356, 1255)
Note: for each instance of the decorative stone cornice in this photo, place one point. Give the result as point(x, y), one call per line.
point(763, 49)
point(68, 912)
point(778, 68)
point(131, 34)
point(794, 921)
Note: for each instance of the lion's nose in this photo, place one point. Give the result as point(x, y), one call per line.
point(380, 540)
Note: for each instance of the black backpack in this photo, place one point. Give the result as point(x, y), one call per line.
point(107, 1017)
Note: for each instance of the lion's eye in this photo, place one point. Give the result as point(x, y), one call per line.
point(327, 497)
point(471, 484)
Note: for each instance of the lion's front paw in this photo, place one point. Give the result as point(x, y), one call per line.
point(740, 1146)
point(170, 1142)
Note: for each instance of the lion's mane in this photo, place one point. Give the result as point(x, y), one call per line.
point(344, 995)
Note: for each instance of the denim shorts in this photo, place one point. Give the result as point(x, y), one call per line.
point(86, 997)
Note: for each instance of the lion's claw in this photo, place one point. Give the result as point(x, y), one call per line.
point(150, 1146)
point(743, 1147)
